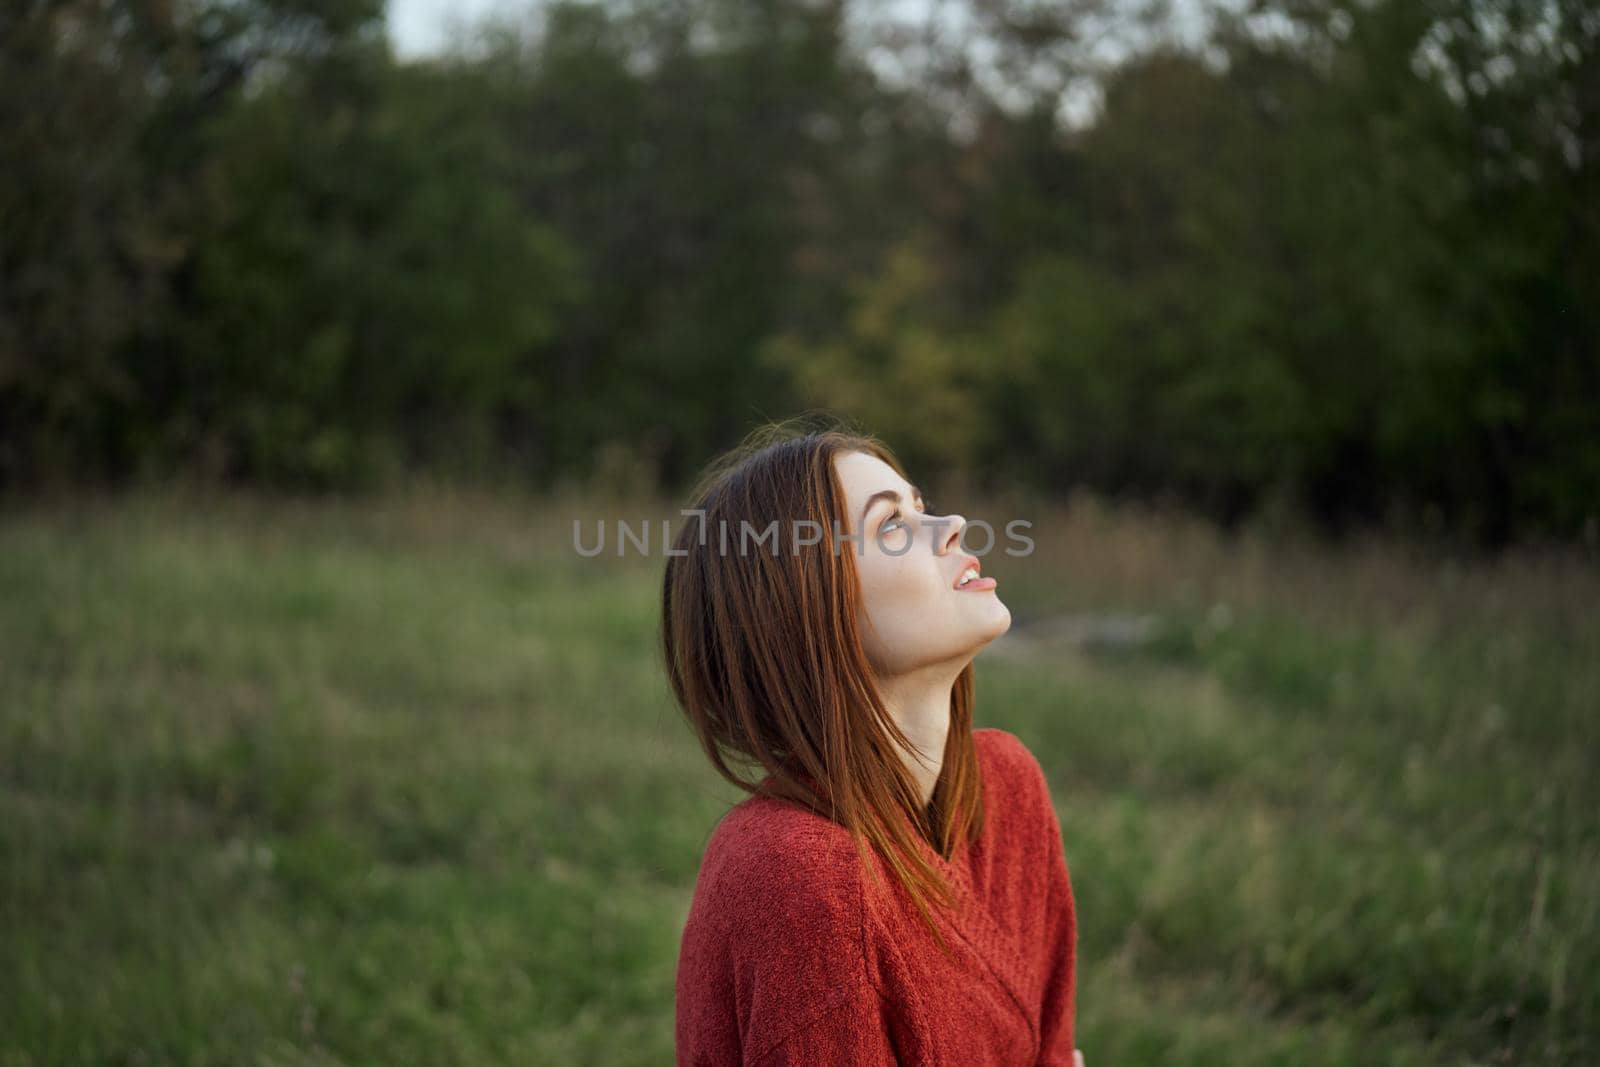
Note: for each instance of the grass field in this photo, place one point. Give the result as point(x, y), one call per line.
point(399, 782)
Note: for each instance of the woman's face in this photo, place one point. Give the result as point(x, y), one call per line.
point(910, 561)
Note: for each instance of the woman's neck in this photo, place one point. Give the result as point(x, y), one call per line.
point(920, 704)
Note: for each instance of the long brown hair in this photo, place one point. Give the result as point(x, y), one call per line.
point(765, 659)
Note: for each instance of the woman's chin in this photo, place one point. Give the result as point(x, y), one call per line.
point(1005, 620)
point(997, 620)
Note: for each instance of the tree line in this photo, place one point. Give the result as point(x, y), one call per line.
point(1341, 256)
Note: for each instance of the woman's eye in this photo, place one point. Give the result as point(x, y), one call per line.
point(897, 517)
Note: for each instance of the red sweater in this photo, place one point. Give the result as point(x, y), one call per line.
point(790, 955)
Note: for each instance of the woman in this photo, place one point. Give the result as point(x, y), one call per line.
point(894, 890)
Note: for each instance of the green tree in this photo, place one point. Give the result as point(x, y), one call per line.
point(365, 293)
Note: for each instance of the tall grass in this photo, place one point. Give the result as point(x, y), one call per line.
point(398, 781)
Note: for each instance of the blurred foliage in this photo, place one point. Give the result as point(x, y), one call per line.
point(894, 367)
point(1338, 256)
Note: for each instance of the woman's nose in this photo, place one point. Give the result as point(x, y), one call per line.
point(949, 531)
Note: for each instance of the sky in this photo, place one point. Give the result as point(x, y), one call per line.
point(418, 27)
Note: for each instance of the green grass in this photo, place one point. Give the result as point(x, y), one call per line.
point(399, 781)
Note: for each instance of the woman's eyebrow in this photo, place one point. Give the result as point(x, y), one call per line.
point(884, 494)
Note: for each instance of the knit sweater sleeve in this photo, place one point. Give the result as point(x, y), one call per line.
point(854, 1029)
point(772, 969)
point(1058, 1011)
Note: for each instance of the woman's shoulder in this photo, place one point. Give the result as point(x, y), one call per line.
point(774, 950)
point(769, 830)
point(1003, 754)
point(1014, 783)
point(770, 859)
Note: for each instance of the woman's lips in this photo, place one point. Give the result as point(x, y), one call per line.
point(979, 583)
